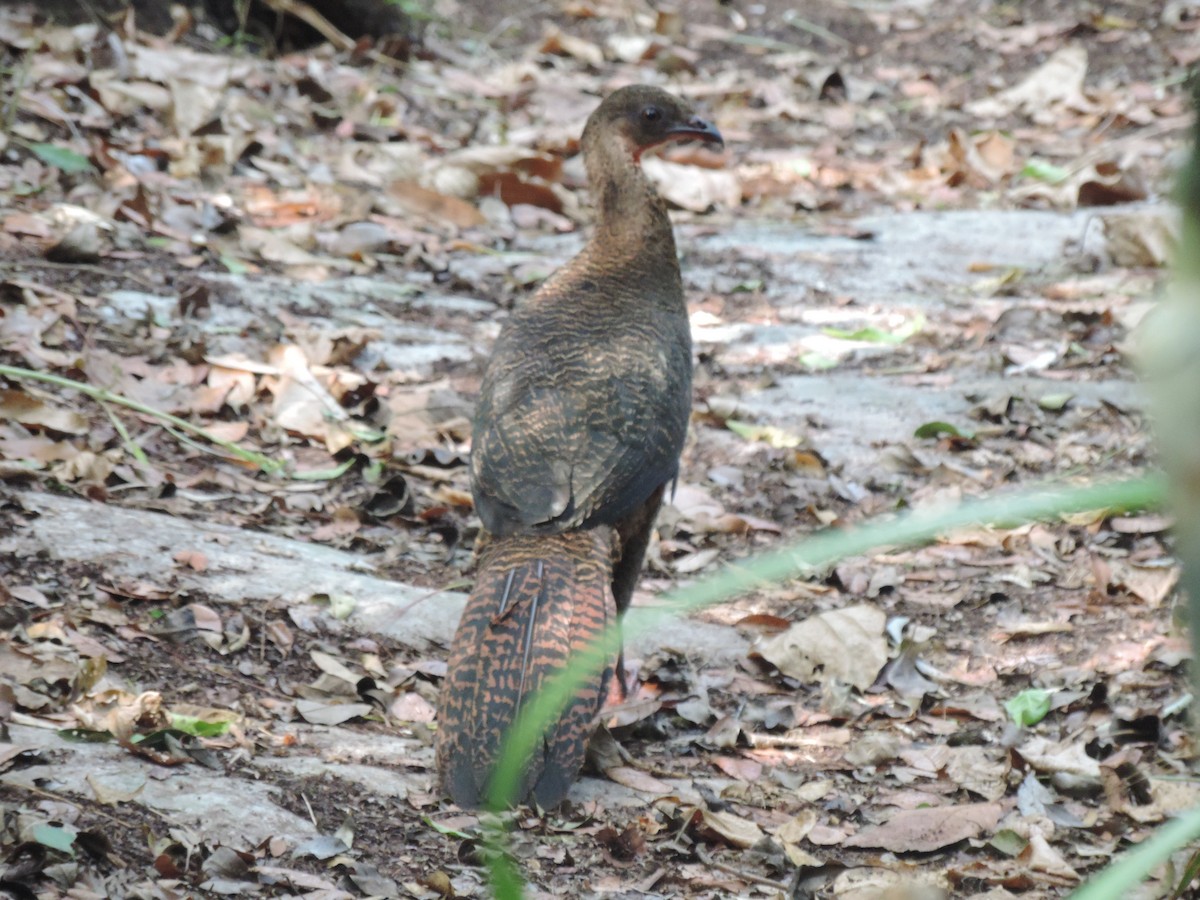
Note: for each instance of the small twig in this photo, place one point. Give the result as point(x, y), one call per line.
point(101, 394)
point(311, 815)
point(736, 873)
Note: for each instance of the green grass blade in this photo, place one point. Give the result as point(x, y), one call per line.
point(1115, 882)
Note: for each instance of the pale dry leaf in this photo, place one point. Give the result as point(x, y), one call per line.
point(692, 187)
point(161, 64)
point(928, 829)
point(875, 883)
point(559, 43)
point(1150, 584)
point(796, 829)
point(694, 562)
point(204, 618)
point(412, 707)
point(122, 714)
point(846, 644)
point(112, 794)
point(1141, 238)
point(979, 160)
point(231, 432)
point(873, 748)
point(823, 835)
point(193, 105)
point(801, 858)
point(122, 97)
point(1041, 857)
point(1054, 758)
point(193, 559)
point(319, 713)
point(86, 466)
point(734, 830)
point(302, 403)
point(694, 503)
point(1058, 82)
point(981, 770)
point(1149, 523)
point(333, 666)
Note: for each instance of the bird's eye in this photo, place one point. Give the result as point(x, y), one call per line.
point(651, 114)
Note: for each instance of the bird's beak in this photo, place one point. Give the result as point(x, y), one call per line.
point(697, 129)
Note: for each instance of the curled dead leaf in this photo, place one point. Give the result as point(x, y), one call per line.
point(733, 830)
point(927, 829)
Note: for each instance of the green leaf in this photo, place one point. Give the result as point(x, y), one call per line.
point(766, 434)
point(817, 361)
point(84, 736)
point(234, 265)
point(443, 829)
point(937, 429)
point(55, 838)
point(1055, 402)
point(1040, 170)
point(1008, 842)
point(1029, 707)
point(325, 474)
point(1118, 880)
point(875, 335)
point(61, 158)
point(198, 727)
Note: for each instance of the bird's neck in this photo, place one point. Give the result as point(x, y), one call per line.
point(632, 220)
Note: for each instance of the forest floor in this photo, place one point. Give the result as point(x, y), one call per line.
point(915, 276)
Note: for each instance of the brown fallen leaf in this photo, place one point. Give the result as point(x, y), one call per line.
point(193, 559)
point(739, 767)
point(637, 780)
point(927, 829)
point(19, 406)
point(435, 206)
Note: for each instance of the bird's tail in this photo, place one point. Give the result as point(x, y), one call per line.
point(538, 601)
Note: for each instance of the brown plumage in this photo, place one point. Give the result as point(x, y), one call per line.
point(581, 418)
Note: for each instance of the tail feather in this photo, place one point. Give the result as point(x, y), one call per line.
point(538, 601)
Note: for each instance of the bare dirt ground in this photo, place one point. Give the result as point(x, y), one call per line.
point(915, 276)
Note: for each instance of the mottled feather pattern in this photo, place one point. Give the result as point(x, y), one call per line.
point(538, 602)
point(583, 442)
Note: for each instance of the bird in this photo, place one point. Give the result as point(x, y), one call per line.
point(581, 418)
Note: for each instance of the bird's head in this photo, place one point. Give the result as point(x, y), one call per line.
point(645, 117)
